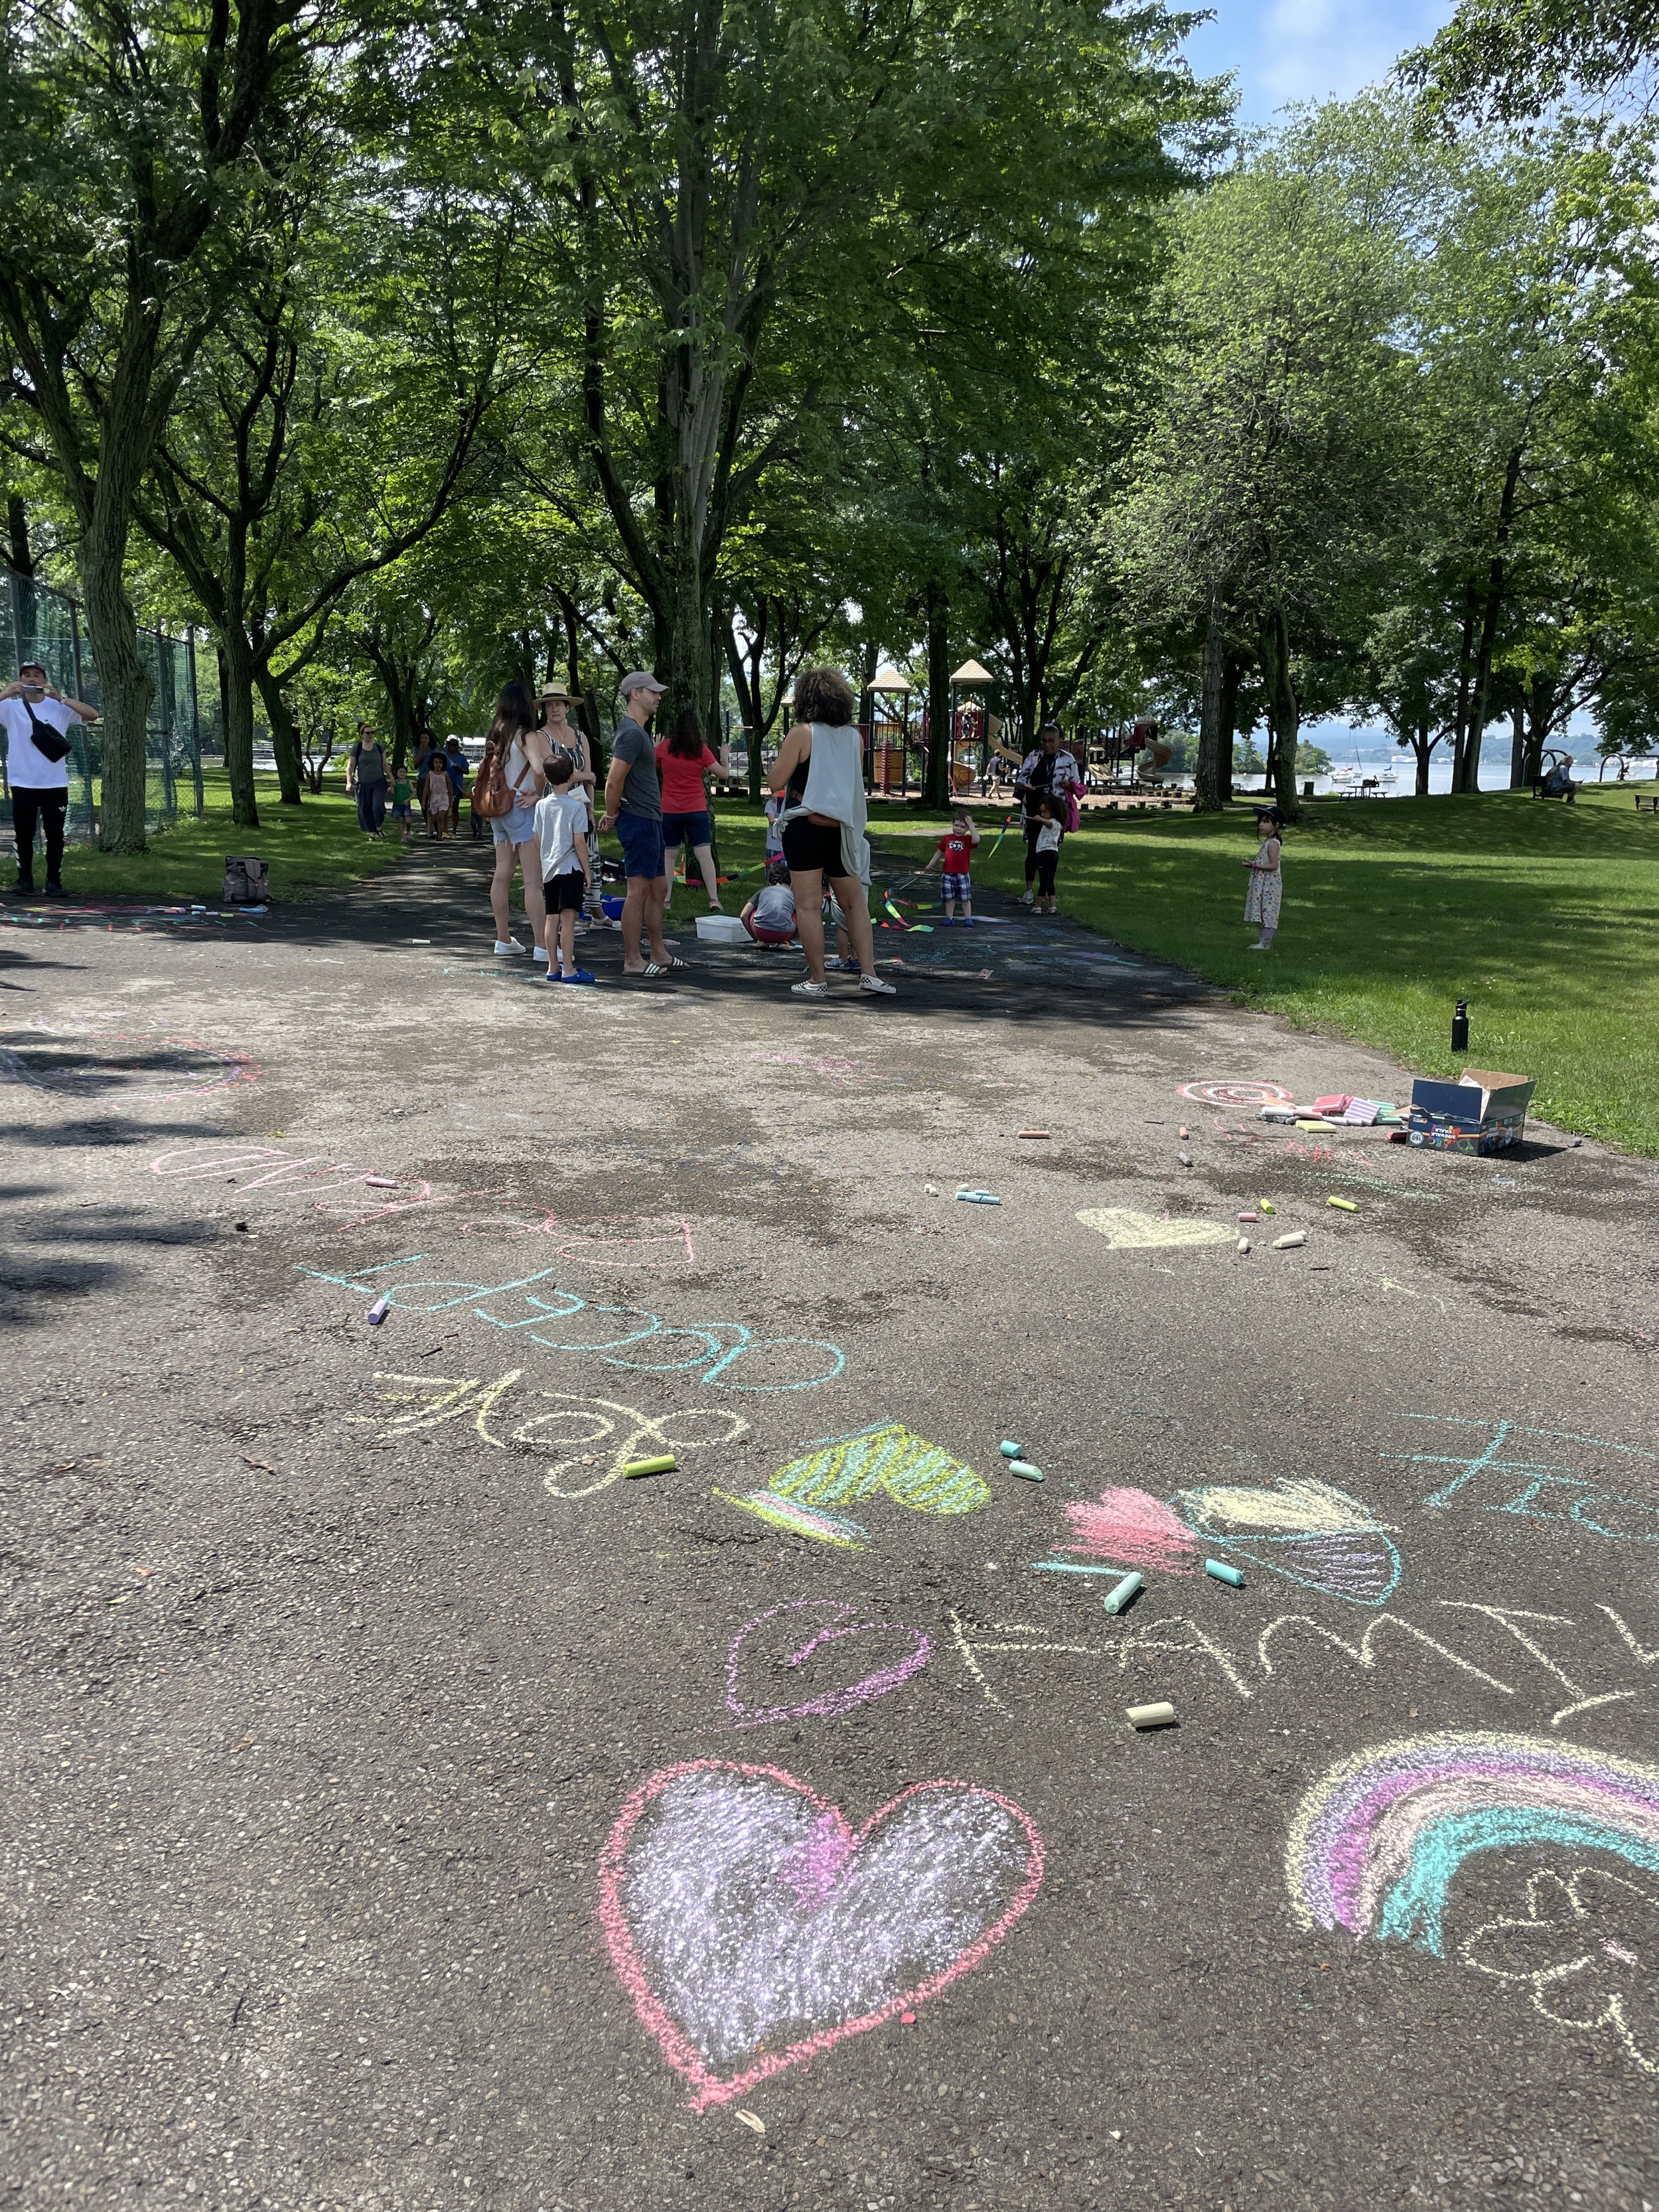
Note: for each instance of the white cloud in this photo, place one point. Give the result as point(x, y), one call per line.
point(1288, 51)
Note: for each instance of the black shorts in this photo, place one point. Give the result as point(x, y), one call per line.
point(564, 894)
point(813, 845)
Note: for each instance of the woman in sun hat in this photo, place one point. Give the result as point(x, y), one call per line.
point(563, 736)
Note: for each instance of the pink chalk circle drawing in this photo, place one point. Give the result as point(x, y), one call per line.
point(755, 1929)
point(115, 1066)
point(835, 1623)
point(1240, 1093)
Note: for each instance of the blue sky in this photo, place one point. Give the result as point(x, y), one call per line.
point(1286, 50)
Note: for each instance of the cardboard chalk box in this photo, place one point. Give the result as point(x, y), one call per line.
point(1483, 1113)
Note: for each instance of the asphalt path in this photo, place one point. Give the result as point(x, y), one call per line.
point(407, 1809)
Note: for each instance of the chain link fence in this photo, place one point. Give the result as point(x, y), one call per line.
point(40, 623)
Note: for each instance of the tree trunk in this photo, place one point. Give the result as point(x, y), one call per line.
point(936, 790)
point(236, 663)
point(1423, 747)
point(1468, 779)
point(1232, 670)
point(124, 681)
point(1284, 713)
point(1538, 728)
point(284, 736)
point(1518, 747)
point(1210, 794)
point(687, 675)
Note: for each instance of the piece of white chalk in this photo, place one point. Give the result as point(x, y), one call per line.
point(1147, 1716)
point(378, 1311)
point(1291, 1240)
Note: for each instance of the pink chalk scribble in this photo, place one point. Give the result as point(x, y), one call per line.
point(813, 1867)
point(829, 1703)
point(753, 1927)
point(1132, 1528)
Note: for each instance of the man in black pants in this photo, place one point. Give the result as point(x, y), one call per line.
point(36, 717)
point(1048, 773)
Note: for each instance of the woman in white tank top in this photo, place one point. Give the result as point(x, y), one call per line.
point(522, 751)
point(820, 772)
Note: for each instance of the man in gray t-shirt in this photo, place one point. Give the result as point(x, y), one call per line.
point(633, 807)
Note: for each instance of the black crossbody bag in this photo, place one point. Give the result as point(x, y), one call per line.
point(50, 743)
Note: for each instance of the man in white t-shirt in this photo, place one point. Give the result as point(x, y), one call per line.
point(35, 716)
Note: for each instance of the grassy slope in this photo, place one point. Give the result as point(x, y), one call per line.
point(310, 847)
point(1543, 917)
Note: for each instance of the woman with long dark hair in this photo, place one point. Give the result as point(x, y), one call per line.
point(522, 751)
point(683, 762)
point(819, 770)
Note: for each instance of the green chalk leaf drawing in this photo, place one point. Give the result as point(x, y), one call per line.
point(884, 1458)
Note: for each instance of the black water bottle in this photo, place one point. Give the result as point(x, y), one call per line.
point(1461, 1027)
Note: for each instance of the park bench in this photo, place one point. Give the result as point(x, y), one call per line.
point(1647, 798)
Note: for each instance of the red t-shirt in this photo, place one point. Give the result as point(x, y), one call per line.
point(682, 779)
point(958, 850)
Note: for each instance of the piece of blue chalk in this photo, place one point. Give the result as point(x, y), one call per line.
point(1115, 1599)
point(1224, 1573)
point(1010, 1449)
point(1025, 1470)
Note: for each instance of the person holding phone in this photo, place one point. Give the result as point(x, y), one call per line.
point(37, 718)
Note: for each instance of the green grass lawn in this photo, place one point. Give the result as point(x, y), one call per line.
point(310, 848)
point(1542, 916)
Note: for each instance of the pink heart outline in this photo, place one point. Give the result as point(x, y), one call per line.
point(711, 2089)
point(832, 1703)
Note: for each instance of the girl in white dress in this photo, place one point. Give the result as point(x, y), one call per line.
point(1267, 879)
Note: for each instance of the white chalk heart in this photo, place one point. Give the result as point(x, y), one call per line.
point(755, 1929)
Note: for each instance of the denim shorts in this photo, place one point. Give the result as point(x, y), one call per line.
point(643, 852)
point(676, 828)
point(517, 828)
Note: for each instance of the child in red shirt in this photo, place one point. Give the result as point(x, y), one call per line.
point(955, 855)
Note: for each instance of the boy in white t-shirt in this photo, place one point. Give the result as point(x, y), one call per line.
point(562, 834)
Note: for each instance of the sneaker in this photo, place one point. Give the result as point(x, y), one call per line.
point(1028, 900)
point(849, 966)
point(512, 946)
point(876, 986)
point(806, 988)
point(539, 954)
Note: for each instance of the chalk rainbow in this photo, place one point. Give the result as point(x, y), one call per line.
point(1378, 1842)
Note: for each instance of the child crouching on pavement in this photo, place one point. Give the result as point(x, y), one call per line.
point(562, 834)
point(769, 916)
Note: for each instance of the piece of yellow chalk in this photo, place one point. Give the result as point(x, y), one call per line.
point(665, 1465)
point(1145, 1717)
point(1345, 1204)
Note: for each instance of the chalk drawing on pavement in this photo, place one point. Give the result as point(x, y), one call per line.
point(1126, 1231)
point(753, 1927)
point(110, 1065)
point(1554, 1483)
point(1240, 1093)
point(1586, 1948)
point(796, 1520)
point(597, 1426)
point(824, 1622)
point(1309, 1532)
point(595, 1240)
point(725, 1354)
point(1378, 1841)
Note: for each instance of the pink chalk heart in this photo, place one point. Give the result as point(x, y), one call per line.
point(755, 1928)
point(830, 1621)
